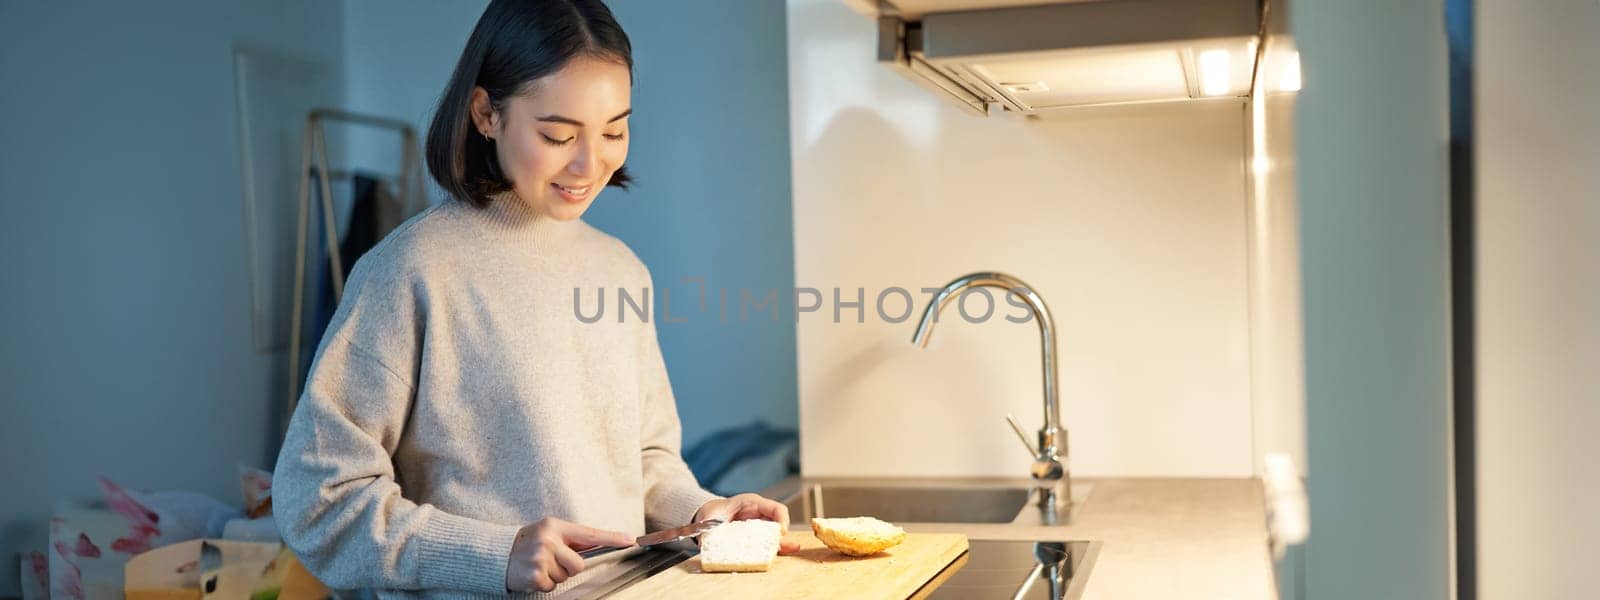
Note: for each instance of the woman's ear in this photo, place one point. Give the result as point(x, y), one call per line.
point(484, 118)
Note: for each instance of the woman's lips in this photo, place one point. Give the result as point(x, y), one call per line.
point(578, 194)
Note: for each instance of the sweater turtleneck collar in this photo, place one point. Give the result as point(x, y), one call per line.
point(508, 213)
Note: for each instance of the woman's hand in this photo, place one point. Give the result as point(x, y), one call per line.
point(750, 506)
point(545, 553)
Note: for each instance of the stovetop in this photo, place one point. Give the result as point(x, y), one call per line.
point(1032, 570)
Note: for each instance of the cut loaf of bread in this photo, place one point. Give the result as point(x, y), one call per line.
point(739, 546)
point(857, 536)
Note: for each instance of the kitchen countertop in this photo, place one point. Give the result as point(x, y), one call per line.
point(1161, 537)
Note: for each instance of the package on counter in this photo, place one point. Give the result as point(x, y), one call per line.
point(218, 569)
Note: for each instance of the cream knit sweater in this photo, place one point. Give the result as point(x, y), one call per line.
point(457, 397)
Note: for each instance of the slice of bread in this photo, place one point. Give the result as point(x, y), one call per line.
point(857, 536)
point(740, 546)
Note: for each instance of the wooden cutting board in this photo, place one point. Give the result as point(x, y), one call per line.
point(817, 572)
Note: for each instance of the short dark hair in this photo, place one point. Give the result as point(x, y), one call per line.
point(514, 43)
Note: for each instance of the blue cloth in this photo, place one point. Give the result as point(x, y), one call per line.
point(757, 450)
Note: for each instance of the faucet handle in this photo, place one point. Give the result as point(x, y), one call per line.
point(1022, 437)
point(1044, 467)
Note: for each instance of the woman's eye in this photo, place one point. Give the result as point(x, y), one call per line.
point(555, 142)
point(617, 136)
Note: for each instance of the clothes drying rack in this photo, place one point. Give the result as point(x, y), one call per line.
point(314, 149)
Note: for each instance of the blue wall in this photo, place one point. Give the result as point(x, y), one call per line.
point(127, 345)
point(125, 300)
point(711, 156)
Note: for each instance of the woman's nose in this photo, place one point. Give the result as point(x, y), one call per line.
point(586, 162)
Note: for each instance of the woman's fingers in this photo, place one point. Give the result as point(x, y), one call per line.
point(753, 506)
point(542, 582)
point(568, 559)
point(543, 554)
point(549, 565)
point(788, 546)
point(574, 535)
point(747, 506)
point(779, 512)
point(782, 516)
point(750, 509)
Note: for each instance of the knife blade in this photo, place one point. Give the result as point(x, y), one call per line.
point(657, 538)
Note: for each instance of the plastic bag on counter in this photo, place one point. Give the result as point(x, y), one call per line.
point(160, 518)
point(256, 487)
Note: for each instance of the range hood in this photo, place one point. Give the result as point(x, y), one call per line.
point(1035, 56)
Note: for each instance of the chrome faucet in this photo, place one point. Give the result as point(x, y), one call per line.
point(1049, 470)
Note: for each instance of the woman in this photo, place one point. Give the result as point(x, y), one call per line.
point(462, 431)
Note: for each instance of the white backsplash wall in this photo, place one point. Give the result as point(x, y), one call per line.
point(1130, 222)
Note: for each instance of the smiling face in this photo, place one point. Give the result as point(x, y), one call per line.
point(560, 140)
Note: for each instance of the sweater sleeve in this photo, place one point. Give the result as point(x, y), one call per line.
point(336, 499)
point(671, 494)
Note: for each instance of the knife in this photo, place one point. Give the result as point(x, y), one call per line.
point(657, 538)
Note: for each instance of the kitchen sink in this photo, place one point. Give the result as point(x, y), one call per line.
point(907, 504)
